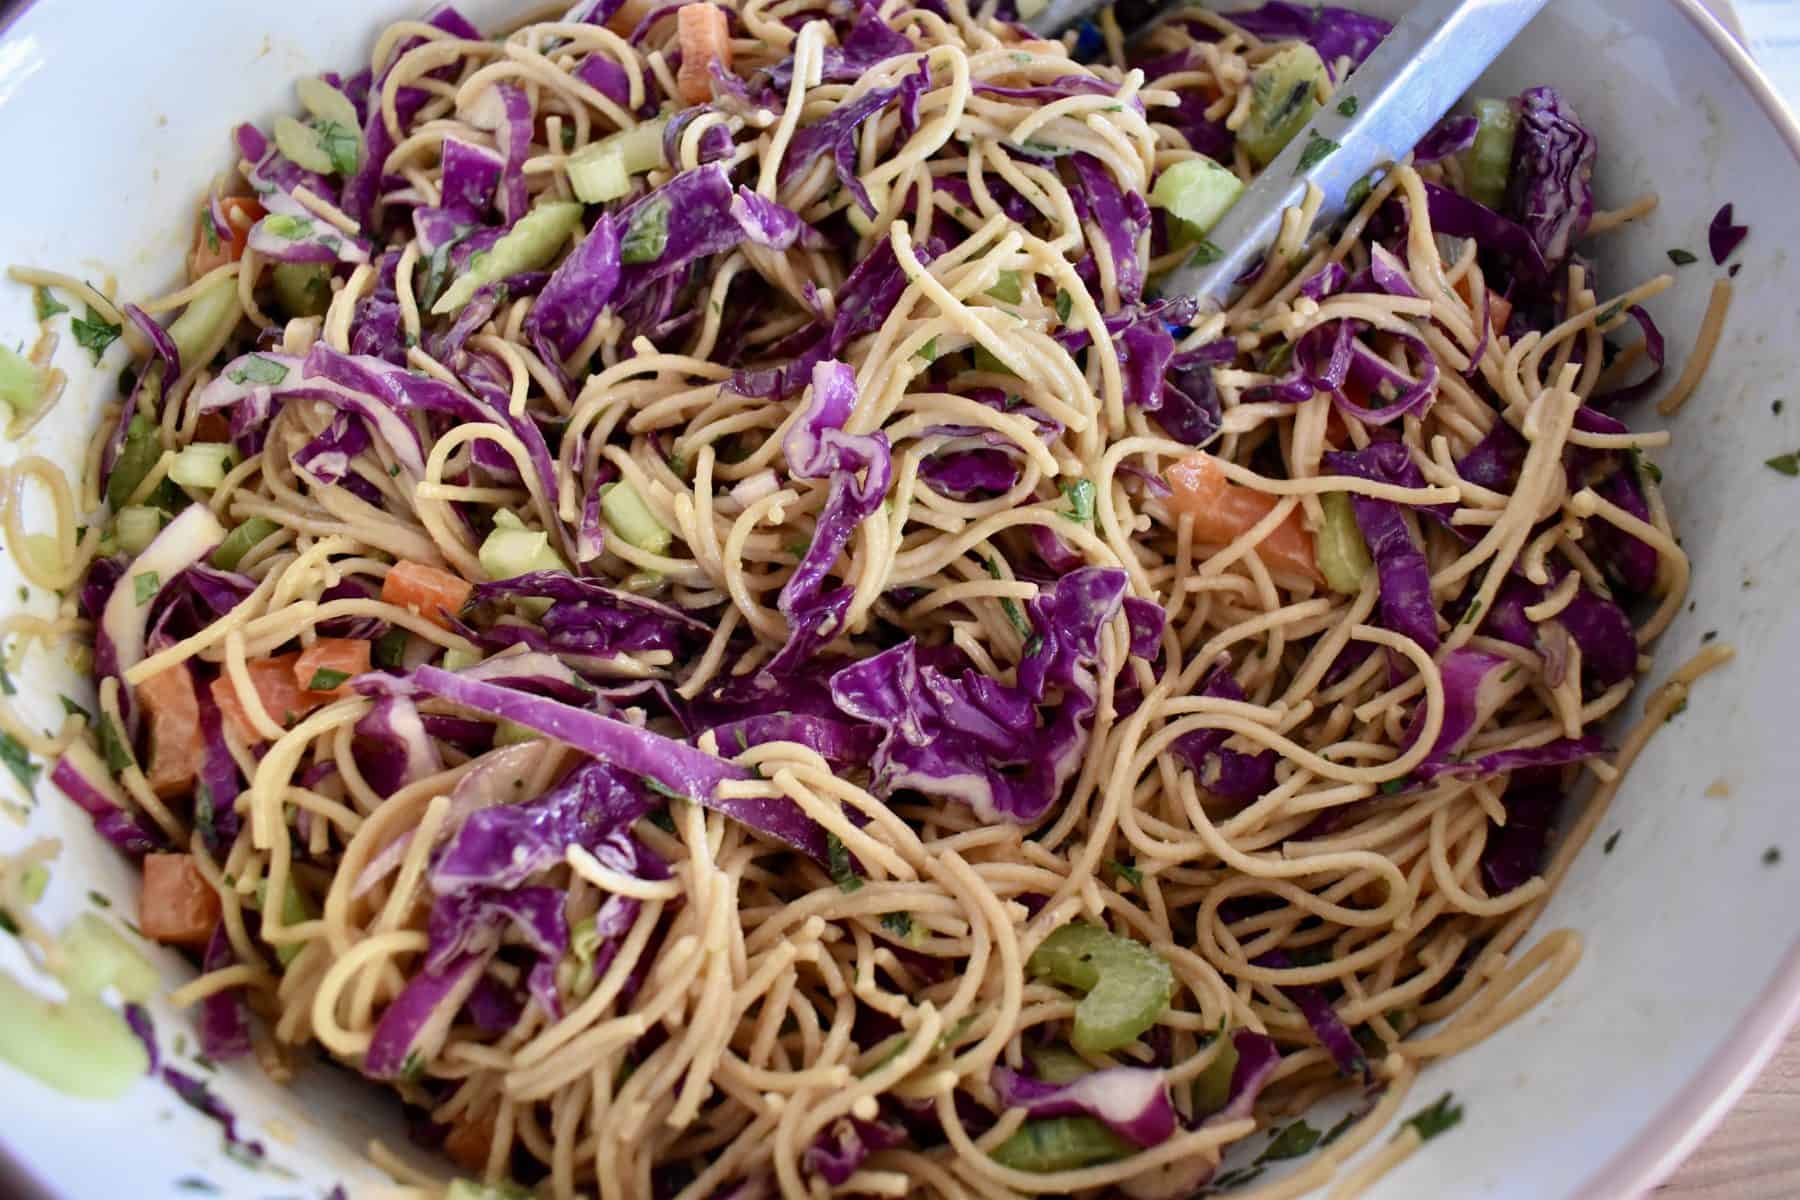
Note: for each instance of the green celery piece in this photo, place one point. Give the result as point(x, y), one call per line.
point(1284, 95)
point(1060, 1144)
point(81, 1048)
point(1007, 289)
point(241, 541)
point(1127, 985)
point(528, 246)
point(629, 517)
point(1343, 555)
point(206, 322)
point(143, 448)
point(96, 956)
point(1197, 192)
point(23, 384)
point(302, 289)
point(1490, 158)
point(1057, 1064)
point(1212, 1087)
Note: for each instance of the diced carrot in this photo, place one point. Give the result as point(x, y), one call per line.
point(705, 37)
point(276, 686)
point(174, 719)
point(346, 656)
point(432, 592)
point(177, 906)
point(214, 247)
point(1499, 307)
point(212, 427)
point(1223, 511)
point(468, 1142)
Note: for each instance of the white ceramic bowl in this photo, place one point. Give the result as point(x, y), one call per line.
point(113, 114)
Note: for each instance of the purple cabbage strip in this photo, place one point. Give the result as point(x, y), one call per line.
point(1132, 1101)
point(1723, 236)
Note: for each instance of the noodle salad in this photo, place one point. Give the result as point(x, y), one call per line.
point(671, 590)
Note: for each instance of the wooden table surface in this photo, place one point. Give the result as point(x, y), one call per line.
point(1755, 1153)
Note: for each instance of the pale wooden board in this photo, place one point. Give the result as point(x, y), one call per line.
point(1755, 1153)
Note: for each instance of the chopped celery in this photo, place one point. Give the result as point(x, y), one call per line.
point(301, 142)
point(34, 881)
point(97, 956)
point(24, 385)
point(1127, 985)
point(81, 1048)
point(1212, 1087)
point(202, 464)
point(1057, 1064)
point(511, 733)
point(295, 908)
point(602, 171)
point(527, 246)
point(143, 448)
point(628, 516)
point(1196, 192)
point(205, 323)
point(1490, 158)
point(302, 289)
point(457, 660)
point(1284, 94)
point(137, 525)
point(1060, 1144)
point(509, 551)
point(984, 360)
point(1343, 556)
point(1007, 289)
point(241, 541)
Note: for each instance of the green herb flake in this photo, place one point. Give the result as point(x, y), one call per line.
point(114, 746)
point(210, 228)
point(1682, 258)
point(325, 679)
point(1127, 872)
point(412, 1067)
point(1435, 1118)
point(928, 351)
point(6, 683)
point(1080, 494)
point(194, 1183)
point(1771, 856)
point(341, 146)
point(647, 236)
point(1391, 786)
point(1776, 408)
point(838, 859)
point(47, 305)
point(1205, 254)
point(1065, 304)
point(1342, 1127)
point(1347, 106)
point(390, 647)
point(287, 227)
point(94, 333)
point(1786, 464)
point(1474, 611)
point(1610, 313)
point(74, 709)
point(660, 788)
point(258, 370)
point(897, 923)
point(1291, 1141)
point(18, 761)
point(1008, 605)
point(1318, 149)
point(1229, 1180)
point(144, 587)
point(1611, 841)
point(1359, 192)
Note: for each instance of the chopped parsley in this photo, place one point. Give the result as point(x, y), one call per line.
point(74, 709)
point(1681, 258)
point(1205, 254)
point(647, 236)
point(94, 332)
point(288, 227)
point(837, 858)
point(194, 1183)
point(114, 746)
point(1318, 149)
point(1708, 636)
point(257, 369)
point(1008, 605)
point(325, 679)
point(1788, 464)
point(1127, 872)
point(6, 683)
point(1611, 841)
point(1610, 313)
point(98, 900)
point(1065, 304)
point(1775, 408)
point(413, 1067)
point(211, 228)
point(1291, 1141)
point(144, 587)
point(928, 351)
point(1359, 192)
point(47, 305)
point(1646, 466)
point(1771, 856)
point(341, 146)
point(1440, 1115)
point(1080, 493)
point(1337, 1131)
point(1474, 611)
point(1347, 106)
point(660, 788)
point(1393, 785)
point(18, 761)
point(897, 923)
point(390, 647)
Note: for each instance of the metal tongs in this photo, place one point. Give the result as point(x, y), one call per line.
point(1426, 63)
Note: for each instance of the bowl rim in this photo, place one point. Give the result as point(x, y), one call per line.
point(1678, 1128)
point(1664, 1142)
